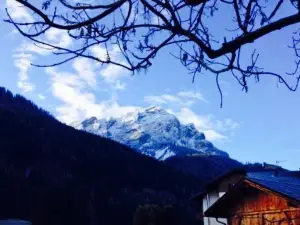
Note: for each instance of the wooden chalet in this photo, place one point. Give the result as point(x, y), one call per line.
point(258, 198)
point(214, 190)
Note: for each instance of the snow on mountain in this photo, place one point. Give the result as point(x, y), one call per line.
point(153, 132)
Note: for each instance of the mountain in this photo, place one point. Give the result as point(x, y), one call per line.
point(54, 174)
point(153, 132)
point(206, 168)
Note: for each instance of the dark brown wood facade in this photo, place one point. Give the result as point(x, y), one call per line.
point(250, 204)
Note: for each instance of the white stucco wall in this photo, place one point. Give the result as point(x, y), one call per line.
point(221, 194)
point(208, 200)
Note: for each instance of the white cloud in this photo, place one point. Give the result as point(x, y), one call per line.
point(22, 62)
point(157, 20)
point(85, 71)
point(58, 37)
point(26, 86)
point(27, 47)
point(24, 54)
point(192, 95)
point(112, 74)
point(113, 109)
point(41, 96)
point(88, 71)
point(18, 11)
point(187, 116)
point(167, 99)
point(214, 135)
point(78, 102)
point(81, 103)
point(78, 105)
point(155, 100)
point(227, 124)
point(214, 130)
point(52, 36)
point(118, 85)
point(99, 52)
point(74, 89)
point(181, 99)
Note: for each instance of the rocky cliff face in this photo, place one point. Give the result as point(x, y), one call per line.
point(153, 132)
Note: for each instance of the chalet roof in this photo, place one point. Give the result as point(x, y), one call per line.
point(283, 184)
point(211, 184)
point(220, 178)
point(265, 175)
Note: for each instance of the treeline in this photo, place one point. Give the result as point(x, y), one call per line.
point(204, 168)
point(53, 174)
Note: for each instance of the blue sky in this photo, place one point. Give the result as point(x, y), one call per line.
point(261, 125)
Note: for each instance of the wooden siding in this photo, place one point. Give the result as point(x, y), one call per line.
point(255, 200)
point(279, 218)
point(261, 208)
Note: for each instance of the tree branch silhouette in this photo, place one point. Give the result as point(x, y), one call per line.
point(142, 28)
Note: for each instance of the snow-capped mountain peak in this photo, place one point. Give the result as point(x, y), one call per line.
point(153, 132)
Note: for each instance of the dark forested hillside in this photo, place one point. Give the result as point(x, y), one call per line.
point(207, 168)
point(53, 174)
point(204, 168)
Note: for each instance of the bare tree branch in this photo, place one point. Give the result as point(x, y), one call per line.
point(142, 28)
